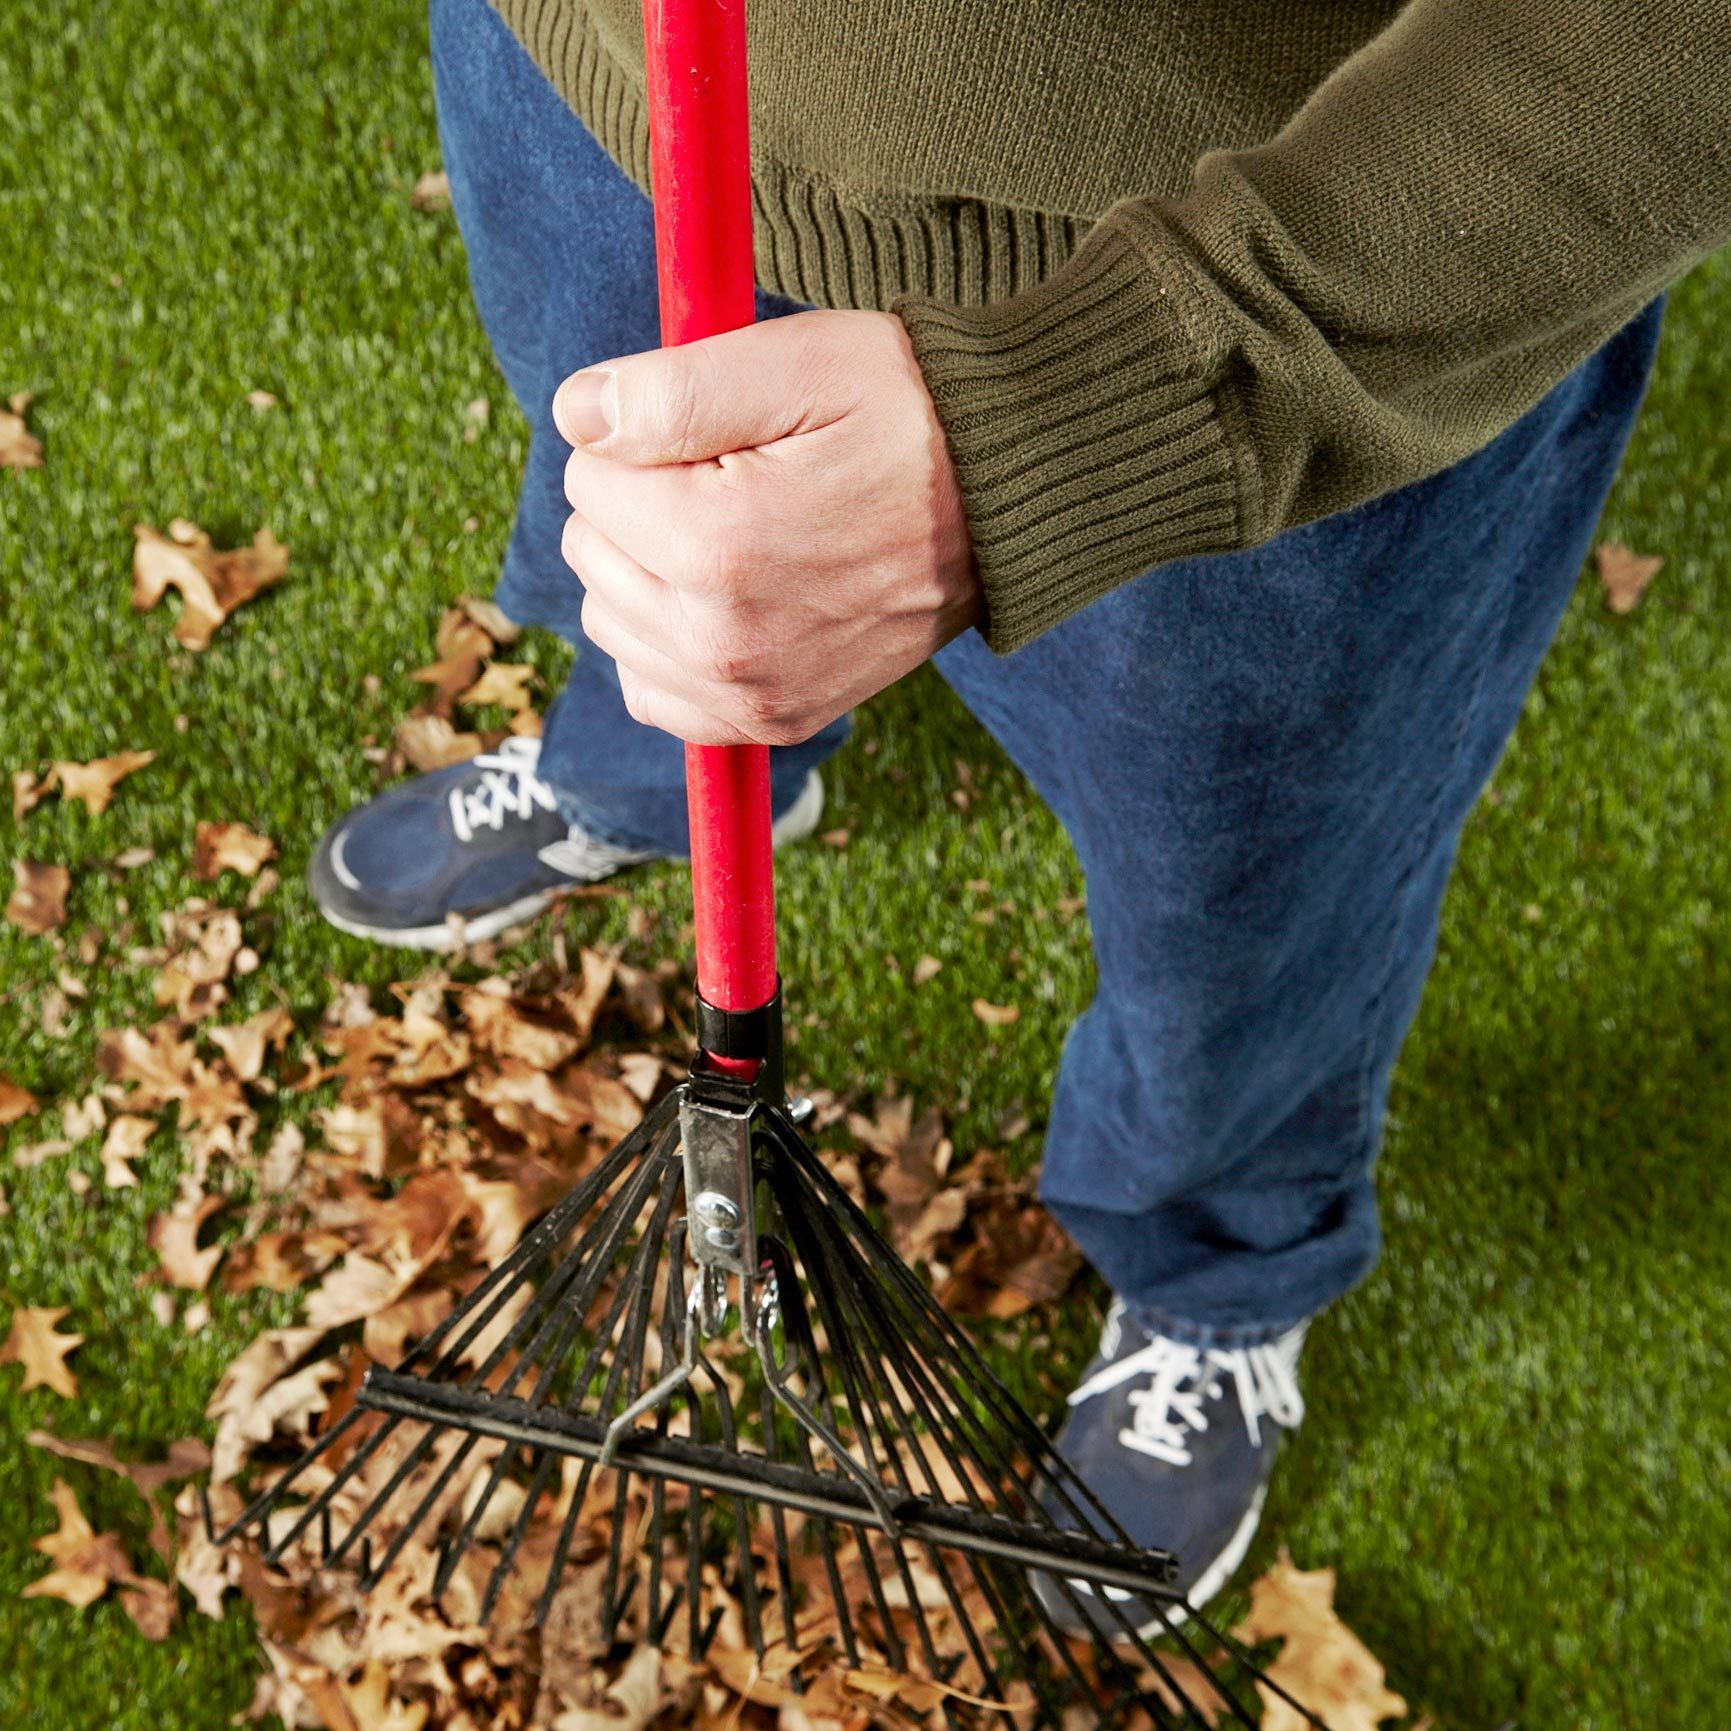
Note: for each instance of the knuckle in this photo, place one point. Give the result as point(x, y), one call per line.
point(637, 702)
point(671, 403)
point(575, 473)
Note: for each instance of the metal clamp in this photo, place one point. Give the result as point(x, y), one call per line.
point(715, 1122)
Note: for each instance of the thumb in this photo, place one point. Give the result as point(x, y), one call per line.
point(681, 405)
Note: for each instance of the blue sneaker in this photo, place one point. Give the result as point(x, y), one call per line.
point(482, 840)
point(1178, 1443)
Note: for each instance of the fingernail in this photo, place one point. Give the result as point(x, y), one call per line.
point(587, 405)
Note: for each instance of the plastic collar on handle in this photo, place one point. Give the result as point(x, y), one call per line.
point(701, 163)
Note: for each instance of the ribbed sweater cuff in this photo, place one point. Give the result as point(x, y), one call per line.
point(1086, 421)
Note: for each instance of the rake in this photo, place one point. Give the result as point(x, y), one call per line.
point(707, 1350)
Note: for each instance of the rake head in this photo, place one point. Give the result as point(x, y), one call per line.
point(707, 1351)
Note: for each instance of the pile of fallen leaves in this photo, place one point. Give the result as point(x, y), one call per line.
point(442, 1124)
point(446, 1121)
point(375, 1158)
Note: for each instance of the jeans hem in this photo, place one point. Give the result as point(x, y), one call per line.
point(571, 809)
point(1202, 1335)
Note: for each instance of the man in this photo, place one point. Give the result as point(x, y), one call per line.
point(1251, 379)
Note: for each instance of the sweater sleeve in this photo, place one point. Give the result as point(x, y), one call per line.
point(1454, 220)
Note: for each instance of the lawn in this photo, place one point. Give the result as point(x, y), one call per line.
point(1518, 1452)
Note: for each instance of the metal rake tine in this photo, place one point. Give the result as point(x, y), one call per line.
point(1004, 1410)
point(583, 1268)
point(796, 1328)
point(863, 1407)
point(938, 1563)
point(563, 1321)
point(741, 1517)
point(540, 1240)
point(778, 1522)
point(437, 1489)
point(267, 1499)
point(320, 1504)
point(568, 1525)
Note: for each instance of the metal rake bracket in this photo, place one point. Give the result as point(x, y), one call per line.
point(764, 1408)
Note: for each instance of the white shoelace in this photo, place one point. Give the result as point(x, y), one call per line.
point(1181, 1379)
point(509, 787)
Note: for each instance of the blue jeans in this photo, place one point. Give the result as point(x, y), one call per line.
point(1263, 758)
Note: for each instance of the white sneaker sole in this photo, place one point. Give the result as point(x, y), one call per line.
point(795, 824)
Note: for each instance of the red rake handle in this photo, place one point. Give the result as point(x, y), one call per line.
point(699, 146)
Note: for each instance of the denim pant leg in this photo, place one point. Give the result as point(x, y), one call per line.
point(1264, 760)
point(561, 252)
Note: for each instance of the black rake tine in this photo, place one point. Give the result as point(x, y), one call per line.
point(938, 1562)
point(867, 1415)
point(1005, 1410)
point(540, 1240)
point(261, 1505)
point(794, 1313)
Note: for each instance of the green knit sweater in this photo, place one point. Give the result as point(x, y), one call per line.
point(1184, 273)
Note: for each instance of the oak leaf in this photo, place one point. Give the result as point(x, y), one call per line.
point(43, 1353)
point(174, 1238)
point(19, 448)
point(184, 1458)
point(220, 847)
point(212, 584)
point(1624, 574)
point(1323, 1663)
point(95, 782)
point(447, 677)
point(504, 683)
point(28, 791)
point(125, 1141)
point(430, 742)
point(38, 903)
point(86, 1562)
point(492, 618)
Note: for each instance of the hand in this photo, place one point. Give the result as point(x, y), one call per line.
point(766, 524)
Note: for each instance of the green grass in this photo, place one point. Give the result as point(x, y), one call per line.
point(1517, 1456)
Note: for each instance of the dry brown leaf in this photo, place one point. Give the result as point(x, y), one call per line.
point(261, 400)
point(926, 968)
point(1323, 1663)
point(996, 1015)
point(636, 1693)
point(185, 1457)
point(86, 1562)
point(33, 1343)
point(372, 1706)
point(212, 584)
point(504, 683)
point(1625, 575)
point(19, 448)
point(432, 191)
point(174, 1238)
point(28, 791)
point(125, 1141)
point(220, 847)
point(455, 673)
point(246, 1044)
point(151, 1605)
point(38, 903)
point(95, 782)
point(15, 1102)
point(492, 618)
point(431, 742)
